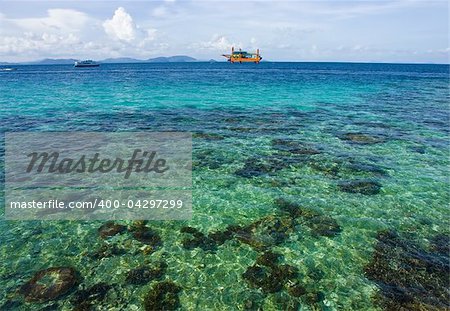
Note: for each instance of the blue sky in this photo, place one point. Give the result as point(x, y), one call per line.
point(378, 31)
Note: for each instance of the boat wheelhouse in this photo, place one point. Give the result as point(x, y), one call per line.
point(86, 63)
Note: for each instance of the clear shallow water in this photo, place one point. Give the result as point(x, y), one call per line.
point(261, 133)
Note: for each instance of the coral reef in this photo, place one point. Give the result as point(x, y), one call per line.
point(313, 298)
point(362, 186)
point(190, 230)
point(220, 237)
point(316, 274)
point(210, 159)
point(197, 239)
point(271, 278)
point(214, 239)
point(109, 229)
point(409, 277)
point(344, 166)
point(295, 210)
point(295, 289)
point(143, 275)
point(137, 225)
point(207, 136)
point(106, 250)
point(323, 226)
point(84, 299)
point(268, 259)
point(266, 232)
point(50, 284)
point(319, 224)
point(368, 168)
point(361, 138)
point(441, 244)
point(261, 277)
point(147, 236)
point(162, 296)
point(293, 147)
point(260, 166)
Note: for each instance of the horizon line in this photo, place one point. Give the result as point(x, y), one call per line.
point(146, 61)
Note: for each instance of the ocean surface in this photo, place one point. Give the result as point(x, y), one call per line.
point(316, 186)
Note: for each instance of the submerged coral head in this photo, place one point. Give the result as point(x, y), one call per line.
point(50, 284)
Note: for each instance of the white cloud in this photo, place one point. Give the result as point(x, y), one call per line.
point(121, 26)
point(350, 9)
point(217, 43)
point(33, 44)
point(54, 34)
point(66, 33)
point(160, 11)
point(56, 21)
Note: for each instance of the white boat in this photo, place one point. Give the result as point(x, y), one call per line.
point(86, 63)
point(8, 69)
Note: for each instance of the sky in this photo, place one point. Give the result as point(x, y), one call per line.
point(408, 31)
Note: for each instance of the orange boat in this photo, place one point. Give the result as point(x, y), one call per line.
point(243, 57)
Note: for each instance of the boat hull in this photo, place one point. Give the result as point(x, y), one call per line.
point(244, 60)
point(90, 65)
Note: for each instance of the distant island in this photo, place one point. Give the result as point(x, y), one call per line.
point(119, 60)
point(162, 59)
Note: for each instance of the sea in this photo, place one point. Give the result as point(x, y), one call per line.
point(315, 186)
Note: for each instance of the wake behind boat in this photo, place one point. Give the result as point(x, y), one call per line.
point(86, 63)
point(8, 69)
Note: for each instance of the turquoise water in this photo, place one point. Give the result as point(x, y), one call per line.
point(264, 134)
